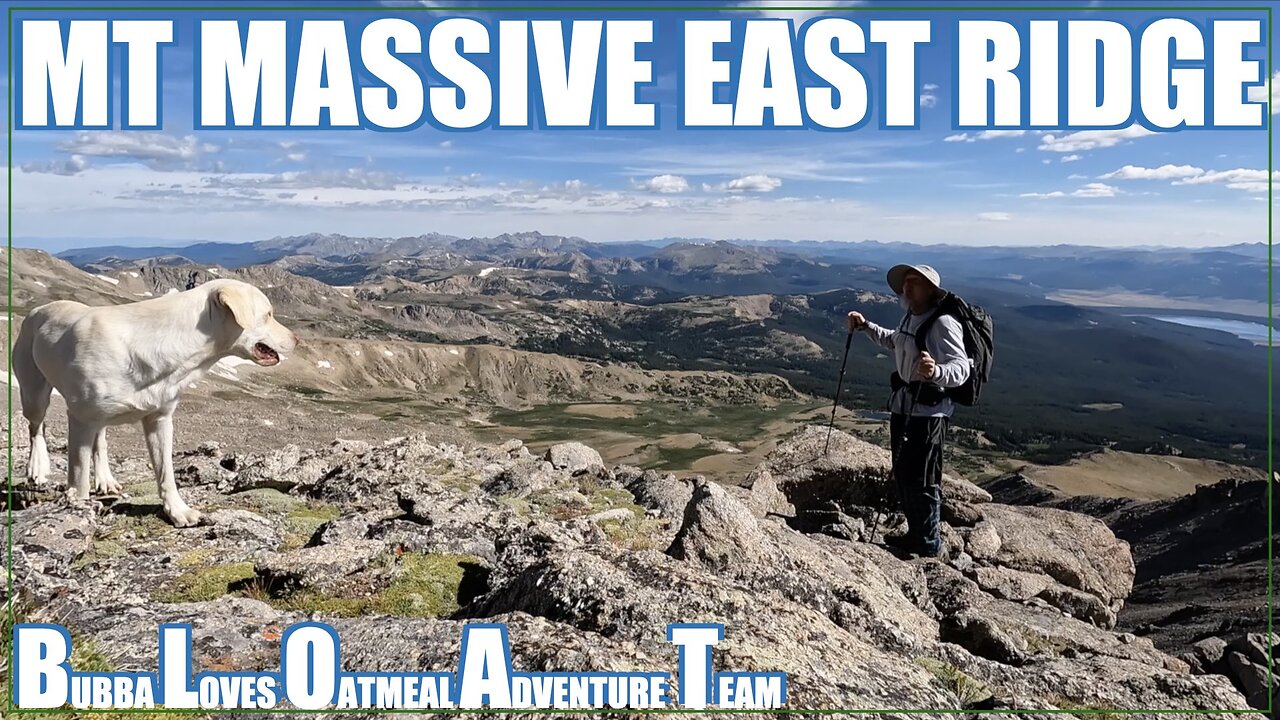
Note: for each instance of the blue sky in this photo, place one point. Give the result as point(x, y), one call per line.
point(934, 184)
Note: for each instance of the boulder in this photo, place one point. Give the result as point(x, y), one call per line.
point(765, 497)
point(1076, 550)
point(521, 478)
point(241, 527)
point(1250, 677)
point(1079, 604)
point(323, 567)
point(289, 468)
point(719, 532)
point(961, 490)
point(1210, 651)
point(666, 495)
point(1255, 646)
point(1011, 584)
point(982, 542)
point(959, 513)
point(574, 457)
point(810, 472)
point(54, 535)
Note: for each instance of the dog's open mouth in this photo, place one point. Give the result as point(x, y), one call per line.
point(263, 354)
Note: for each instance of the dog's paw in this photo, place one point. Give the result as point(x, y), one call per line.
point(110, 486)
point(36, 479)
point(183, 516)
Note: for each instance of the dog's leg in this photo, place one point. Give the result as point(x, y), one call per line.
point(104, 481)
point(159, 432)
point(79, 457)
point(35, 392)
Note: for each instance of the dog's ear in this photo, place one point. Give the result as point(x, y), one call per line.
point(237, 303)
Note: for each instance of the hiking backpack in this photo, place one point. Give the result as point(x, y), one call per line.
point(979, 344)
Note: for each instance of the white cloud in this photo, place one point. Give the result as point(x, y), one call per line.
point(1077, 176)
point(1164, 172)
point(1088, 190)
point(293, 151)
point(152, 148)
point(1091, 139)
point(984, 135)
point(1069, 158)
point(994, 216)
point(1095, 190)
point(1259, 94)
point(130, 200)
point(928, 100)
point(1246, 179)
point(70, 166)
point(664, 184)
point(446, 144)
point(757, 183)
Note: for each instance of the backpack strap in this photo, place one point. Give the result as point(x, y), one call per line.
point(922, 332)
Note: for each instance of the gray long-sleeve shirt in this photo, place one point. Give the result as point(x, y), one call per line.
point(945, 344)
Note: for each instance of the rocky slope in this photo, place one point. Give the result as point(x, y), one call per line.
point(399, 544)
point(1200, 587)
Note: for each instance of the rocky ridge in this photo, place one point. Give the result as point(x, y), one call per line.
point(397, 545)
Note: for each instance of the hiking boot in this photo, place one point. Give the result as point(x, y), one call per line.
point(902, 543)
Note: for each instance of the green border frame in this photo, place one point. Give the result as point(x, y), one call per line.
point(207, 5)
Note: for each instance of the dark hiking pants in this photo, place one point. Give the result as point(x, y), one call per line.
point(917, 447)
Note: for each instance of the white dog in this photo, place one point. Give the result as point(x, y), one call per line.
point(129, 363)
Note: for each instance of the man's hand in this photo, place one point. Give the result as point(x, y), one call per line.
point(925, 367)
point(856, 321)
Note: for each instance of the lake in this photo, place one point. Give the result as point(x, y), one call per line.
point(1252, 331)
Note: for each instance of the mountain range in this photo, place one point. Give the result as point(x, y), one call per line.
point(1069, 376)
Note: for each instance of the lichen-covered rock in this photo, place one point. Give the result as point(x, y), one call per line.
point(666, 495)
point(322, 567)
point(53, 535)
point(399, 545)
point(230, 525)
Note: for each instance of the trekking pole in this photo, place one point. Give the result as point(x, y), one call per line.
point(848, 340)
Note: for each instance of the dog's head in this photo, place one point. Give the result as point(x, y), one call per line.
point(254, 331)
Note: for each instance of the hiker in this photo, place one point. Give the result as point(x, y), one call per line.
point(918, 405)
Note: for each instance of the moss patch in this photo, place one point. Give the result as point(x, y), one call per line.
point(423, 585)
point(302, 521)
point(268, 500)
point(102, 549)
point(968, 689)
point(205, 583)
point(140, 526)
point(519, 506)
point(640, 532)
point(196, 558)
point(142, 490)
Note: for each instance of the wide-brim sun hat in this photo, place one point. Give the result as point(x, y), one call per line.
point(898, 273)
